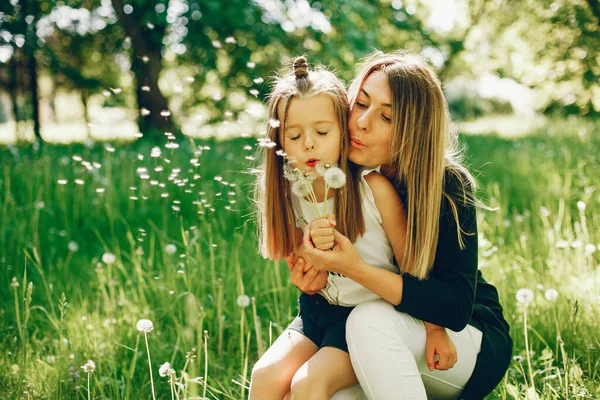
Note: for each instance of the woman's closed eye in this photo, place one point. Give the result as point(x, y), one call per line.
point(361, 105)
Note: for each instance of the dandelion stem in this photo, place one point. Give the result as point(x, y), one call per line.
point(205, 363)
point(150, 366)
point(527, 348)
point(89, 386)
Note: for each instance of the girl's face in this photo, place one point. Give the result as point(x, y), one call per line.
point(312, 132)
point(370, 122)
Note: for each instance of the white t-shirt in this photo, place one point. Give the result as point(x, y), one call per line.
point(374, 246)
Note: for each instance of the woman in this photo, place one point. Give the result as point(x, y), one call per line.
point(399, 119)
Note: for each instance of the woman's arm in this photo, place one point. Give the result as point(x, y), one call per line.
point(446, 298)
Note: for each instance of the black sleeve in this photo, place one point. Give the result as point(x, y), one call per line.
point(446, 298)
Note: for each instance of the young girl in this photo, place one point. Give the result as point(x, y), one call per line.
point(308, 121)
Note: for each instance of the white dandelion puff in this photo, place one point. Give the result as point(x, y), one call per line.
point(73, 246)
point(164, 369)
point(89, 366)
point(322, 168)
point(170, 248)
point(301, 188)
point(551, 294)
point(290, 173)
point(144, 325)
point(108, 258)
point(243, 301)
point(335, 178)
point(524, 296)
point(581, 205)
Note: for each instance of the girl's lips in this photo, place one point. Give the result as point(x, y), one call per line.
point(357, 143)
point(312, 162)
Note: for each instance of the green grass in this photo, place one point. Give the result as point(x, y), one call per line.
point(54, 237)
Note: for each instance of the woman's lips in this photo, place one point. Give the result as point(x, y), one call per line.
point(312, 162)
point(358, 144)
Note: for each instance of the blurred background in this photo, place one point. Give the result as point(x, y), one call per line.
point(128, 151)
point(105, 69)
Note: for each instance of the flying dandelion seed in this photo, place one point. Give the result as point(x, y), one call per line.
point(77, 158)
point(144, 112)
point(145, 59)
point(109, 148)
point(258, 80)
point(164, 195)
point(218, 178)
point(133, 198)
point(216, 44)
point(100, 190)
point(561, 244)
point(145, 89)
point(274, 123)
point(165, 113)
point(97, 165)
point(251, 158)
point(524, 296)
point(172, 145)
point(206, 148)
point(251, 65)
point(140, 157)
point(158, 169)
point(62, 181)
point(230, 39)
point(144, 176)
point(247, 147)
point(105, 93)
point(79, 181)
point(190, 79)
point(108, 258)
point(254, 92)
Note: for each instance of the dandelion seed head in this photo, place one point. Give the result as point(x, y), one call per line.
point(89, 366)
point(164, 369)
point(73, 246)
point(524, 296)
point(301, 188)
point(243, 301)
point(170, 248)
point(581, 205)
point(335, 178)
point(144, 325)
point(108, 258)
point(551, 294)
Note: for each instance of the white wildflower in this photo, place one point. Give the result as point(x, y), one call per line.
point(145, 325)
point(335, 178)
point(108, 258)
point(243, 301)
point(551, 294)
point(170, 248)
point(165, 369)
point(524, 296)
point(89, 366)
point(301, 188)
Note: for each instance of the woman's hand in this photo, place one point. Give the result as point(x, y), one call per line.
point(440, 344)
point(343, 259)
point(308, 279)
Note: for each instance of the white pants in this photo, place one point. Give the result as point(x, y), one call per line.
point(387, 349)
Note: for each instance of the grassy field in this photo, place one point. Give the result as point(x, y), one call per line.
point(96, 237)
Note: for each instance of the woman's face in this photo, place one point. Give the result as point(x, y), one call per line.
point(370, 122)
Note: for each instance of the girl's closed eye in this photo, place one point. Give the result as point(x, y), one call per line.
point(386, 118)
point(323, 133)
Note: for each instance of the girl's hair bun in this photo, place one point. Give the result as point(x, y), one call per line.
point(300, 67)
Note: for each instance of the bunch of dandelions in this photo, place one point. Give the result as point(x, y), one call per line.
point(88, 367)
point(146, 326)
point(302, 182)
point(166, 370)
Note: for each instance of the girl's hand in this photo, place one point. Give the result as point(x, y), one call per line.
point(440, 344)
point(306, 278)
point(342, 259)
point(321, 232)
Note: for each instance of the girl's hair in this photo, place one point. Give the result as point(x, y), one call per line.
point(425, 152)
point(276, 222)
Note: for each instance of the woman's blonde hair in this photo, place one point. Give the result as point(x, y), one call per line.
point(425, 152)
point(276, 222)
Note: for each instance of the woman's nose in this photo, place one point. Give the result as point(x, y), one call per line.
point(362, 122)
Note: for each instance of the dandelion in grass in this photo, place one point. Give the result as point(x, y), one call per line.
point(146, 326)
point(88, 368)
point(108, 258)
point(525, 297)
point(73, 246)
point(243, 301)
point(551, 294)
point(581, 205)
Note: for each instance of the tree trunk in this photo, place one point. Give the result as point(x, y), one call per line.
point(13, 84)
point(32, 67)
point(146, 65)
point(86, 117)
